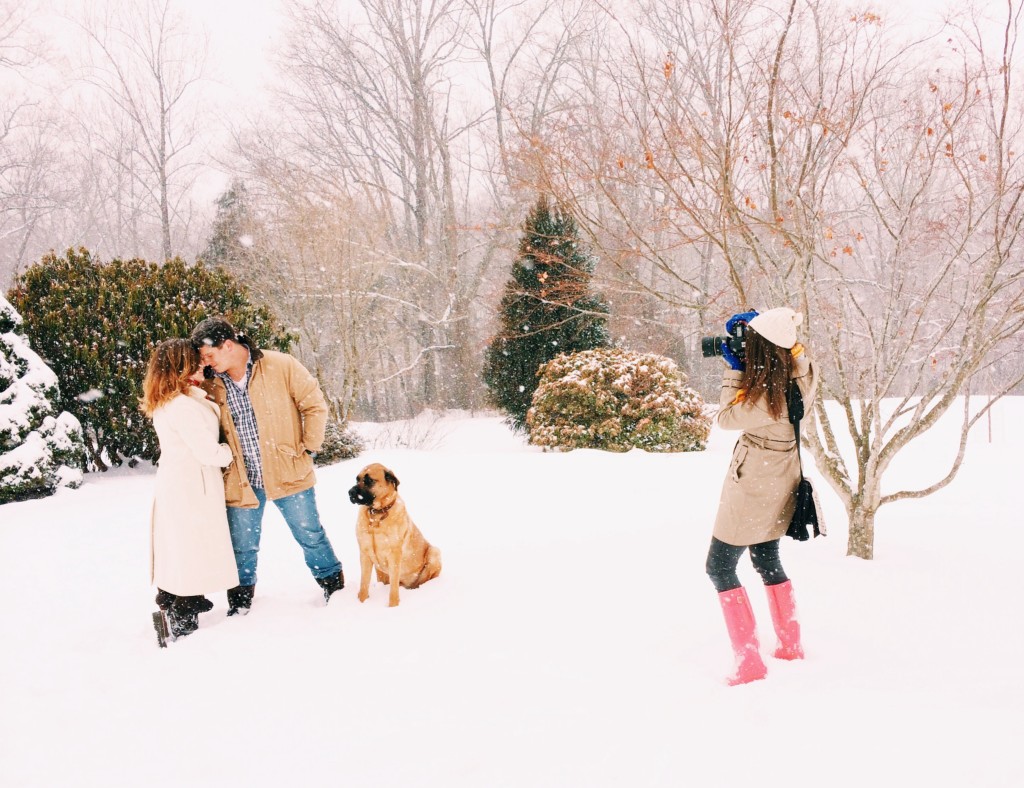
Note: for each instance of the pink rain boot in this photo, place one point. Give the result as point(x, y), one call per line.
point(783, 606)
point(739, 620)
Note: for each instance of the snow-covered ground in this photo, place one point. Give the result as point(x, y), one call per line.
point(571, 640)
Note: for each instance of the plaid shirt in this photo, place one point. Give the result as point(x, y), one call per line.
point(245, 422)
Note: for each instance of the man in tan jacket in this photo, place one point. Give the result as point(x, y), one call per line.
point(273, 415)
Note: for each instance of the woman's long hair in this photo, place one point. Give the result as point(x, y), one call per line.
point(767, 373)
point(173, 362)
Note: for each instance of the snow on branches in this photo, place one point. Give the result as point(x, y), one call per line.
point(40, 451)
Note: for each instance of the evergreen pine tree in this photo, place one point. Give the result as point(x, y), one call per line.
point(41, 449)
point(234, 229)
point(547, 309)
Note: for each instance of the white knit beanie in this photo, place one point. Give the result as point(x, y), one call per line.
point(778, 326)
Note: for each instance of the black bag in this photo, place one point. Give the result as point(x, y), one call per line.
point(806, 512)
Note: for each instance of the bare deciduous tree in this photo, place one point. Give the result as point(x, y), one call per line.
point(920, 290)
point(310, 249)
point(375, 101)
point(148, 64)
point(32, 186)
point(788, 152)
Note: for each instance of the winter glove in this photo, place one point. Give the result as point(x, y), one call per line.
point(741, 317)
point(734, 361)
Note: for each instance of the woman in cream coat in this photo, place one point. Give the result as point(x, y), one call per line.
point(191, 553)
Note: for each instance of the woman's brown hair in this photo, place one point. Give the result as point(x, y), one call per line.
point(767, 373)
point(173, 362)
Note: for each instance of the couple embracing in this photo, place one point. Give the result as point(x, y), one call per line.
point(258, 415)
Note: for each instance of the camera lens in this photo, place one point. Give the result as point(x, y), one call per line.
point(711, 346)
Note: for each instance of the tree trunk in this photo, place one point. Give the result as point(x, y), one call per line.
point(92, 447)
point(861, 541)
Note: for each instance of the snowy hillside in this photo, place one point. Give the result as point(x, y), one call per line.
point(572, 638)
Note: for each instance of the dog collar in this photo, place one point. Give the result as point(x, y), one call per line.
point(383, 512)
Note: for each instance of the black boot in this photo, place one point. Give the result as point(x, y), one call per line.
point(160, 625)
point(331, 584)
point(240, 600)
point(183, 617)
point(164, 599)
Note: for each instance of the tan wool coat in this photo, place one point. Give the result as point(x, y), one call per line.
point(757, 497)
point(291, 418)
point(190, 545)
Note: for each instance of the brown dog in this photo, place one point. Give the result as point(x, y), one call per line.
point(388, 538)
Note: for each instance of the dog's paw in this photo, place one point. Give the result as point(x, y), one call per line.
point(362, 596)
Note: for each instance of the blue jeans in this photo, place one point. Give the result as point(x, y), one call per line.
point(300, 513)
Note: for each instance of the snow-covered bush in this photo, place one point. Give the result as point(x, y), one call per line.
point(616, 400)
point(39, 451)
point(340, 443)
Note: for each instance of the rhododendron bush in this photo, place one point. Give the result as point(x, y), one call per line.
point(616, 400)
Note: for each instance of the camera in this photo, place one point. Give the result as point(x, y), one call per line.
point(736, 342)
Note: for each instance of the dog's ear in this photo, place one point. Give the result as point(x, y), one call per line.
point(391, 478)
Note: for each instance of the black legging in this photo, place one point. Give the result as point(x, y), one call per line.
point(723, 558)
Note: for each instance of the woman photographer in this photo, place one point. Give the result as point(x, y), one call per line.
point(758, 499)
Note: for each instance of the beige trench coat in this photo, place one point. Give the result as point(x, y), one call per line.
point(291, 417)
point(757, 497)
point(191, 549)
